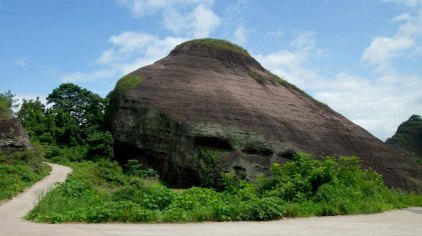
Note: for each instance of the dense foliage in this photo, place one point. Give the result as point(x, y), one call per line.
point(20, 170)
point(104, 192)
point(73, 124)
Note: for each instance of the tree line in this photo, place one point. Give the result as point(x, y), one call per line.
point(73, 120)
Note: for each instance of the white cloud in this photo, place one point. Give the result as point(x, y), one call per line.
point(142, 7)
point(378, 104)
point(240, 36)
point(131, 41)
point(191, 18)
point(383, 50)
point(130, 50)
point(198, 24)
point(402, 17)
point(275, 34)
point(23, 61)
point(89, 77)
point(410, 3)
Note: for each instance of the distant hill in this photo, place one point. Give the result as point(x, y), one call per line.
point(408, 138)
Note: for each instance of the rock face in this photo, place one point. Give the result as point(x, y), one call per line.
point(12, 136)
point(408, 138)
point(209, 106)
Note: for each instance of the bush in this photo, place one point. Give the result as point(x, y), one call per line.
point(64, 155)
point(110, 171)
point(134, 168)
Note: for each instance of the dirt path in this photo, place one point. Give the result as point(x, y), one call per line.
point(399, 222)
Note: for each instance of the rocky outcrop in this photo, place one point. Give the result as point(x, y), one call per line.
point(13, 137)
point(408, 138)
point(209, 107)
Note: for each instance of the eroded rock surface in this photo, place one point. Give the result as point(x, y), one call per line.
point(211, 95)
point(13, 137)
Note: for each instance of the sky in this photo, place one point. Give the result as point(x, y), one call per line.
point(363, 58)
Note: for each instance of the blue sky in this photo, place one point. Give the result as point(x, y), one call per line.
point(361, 57)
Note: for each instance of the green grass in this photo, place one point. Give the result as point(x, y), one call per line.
point(20, 170)
point(219, 45)
point(104, 192)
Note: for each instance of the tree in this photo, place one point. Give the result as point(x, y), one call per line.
point(86, 107)
point(7, 103)
point(37, 122)
point(73, 123)
point(30, 110)
point(66, 130)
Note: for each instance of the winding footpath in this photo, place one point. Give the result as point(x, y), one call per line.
point(399, 222)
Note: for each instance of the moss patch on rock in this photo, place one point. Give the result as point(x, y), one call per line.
point(126, 83)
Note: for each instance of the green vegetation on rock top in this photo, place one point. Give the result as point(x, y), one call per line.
point(409, 136)
point(127, 82)
point(219, 44)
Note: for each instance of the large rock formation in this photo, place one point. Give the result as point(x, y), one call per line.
point(408, 138)
point(210, 106)
point(13, 137)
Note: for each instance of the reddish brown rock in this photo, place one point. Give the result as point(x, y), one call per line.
point(211, 95)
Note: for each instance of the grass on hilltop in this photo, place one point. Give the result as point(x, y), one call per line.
point(219, 44)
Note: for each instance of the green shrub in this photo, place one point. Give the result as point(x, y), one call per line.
point(64, 155)
point(110, 171)
point(134, 168)
point(158, 198)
